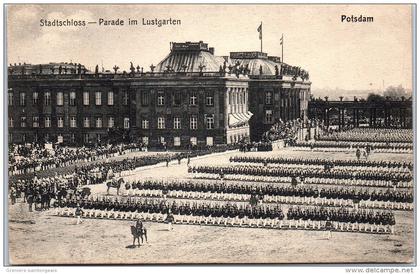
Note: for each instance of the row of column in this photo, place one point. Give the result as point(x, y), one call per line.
point(373, 117)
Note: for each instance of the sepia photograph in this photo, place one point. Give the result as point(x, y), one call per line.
point(162, 134)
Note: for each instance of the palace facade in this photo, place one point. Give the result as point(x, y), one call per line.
point(192, 97)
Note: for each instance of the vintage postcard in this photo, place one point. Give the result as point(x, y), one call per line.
point(209, 133)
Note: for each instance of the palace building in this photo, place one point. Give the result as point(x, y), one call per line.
point(191, 97)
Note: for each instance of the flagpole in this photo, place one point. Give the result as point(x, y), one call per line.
point(261, 36)
point(282, 43)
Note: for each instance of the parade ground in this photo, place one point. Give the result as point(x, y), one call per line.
point(43, 238)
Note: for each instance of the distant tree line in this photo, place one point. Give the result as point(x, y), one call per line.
point(391, 92)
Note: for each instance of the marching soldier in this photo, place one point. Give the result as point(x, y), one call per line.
point(78, 214)
point(169, 220)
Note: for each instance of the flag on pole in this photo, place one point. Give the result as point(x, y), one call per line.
point(260, 31)
point(281, 40)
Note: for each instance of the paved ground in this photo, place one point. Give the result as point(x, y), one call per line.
point(39, 238)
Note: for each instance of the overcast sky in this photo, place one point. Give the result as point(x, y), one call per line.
point(336, 54)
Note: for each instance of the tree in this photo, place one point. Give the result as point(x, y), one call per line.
point(373, 97)
point(395, 93)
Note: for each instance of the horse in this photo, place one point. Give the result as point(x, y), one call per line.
point(61, 194)
point(84, 192)
point(114, 184)
point(137, 234)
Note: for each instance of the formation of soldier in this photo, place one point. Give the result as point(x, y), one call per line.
point(317, 161)
point(343, 217)
point(385, 135)
point(28, 160)
point(355, 194)
point(231, 213)
point(377, 146)
point(303, 171)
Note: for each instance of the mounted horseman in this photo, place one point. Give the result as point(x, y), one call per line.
point(138, 231)
point(111, 181)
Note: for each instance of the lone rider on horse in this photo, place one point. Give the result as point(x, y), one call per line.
point(138, 231)
point(139, 225)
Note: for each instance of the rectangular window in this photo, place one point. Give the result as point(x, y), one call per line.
point(86, 138)
point(86, 122)
point(126, 123)
point(145, 98)
point(99, 122)
point(35, 121)
point(47, 98)
point(177, 123)
point(23, 121)
point(193, 99)
point(22, 99)
point(268, 98)
point(145, 124)
point(125, 98)
point(98, 98)
point(209, 141)
point(73, 121)
point(86, 98)
point(110, 98)
point(10, 122)
point(268, 116)
point(210, 121)
point(60, 100)
point(162, 140)
point(161, 122)
point(177, 141)
point(111, 122)
point(47, 121)
point(161, 99)
point(193, 122)
point(209, 100)
point(35, 97)
point(72, 138)
point(177, 99)
point(60, 122)
point(193, 141)
point(72, 98)
point(10, 101)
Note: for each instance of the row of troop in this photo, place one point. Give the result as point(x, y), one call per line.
point(299, 172)
point(26, 160)
point(328, 167)
point(308, 181)
point(179, 208)
point(40, 192)
point(348, 144)
point(234, 210)
point(275, 190)
point(371, 135)
point(318, 161)
point(341, 215)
